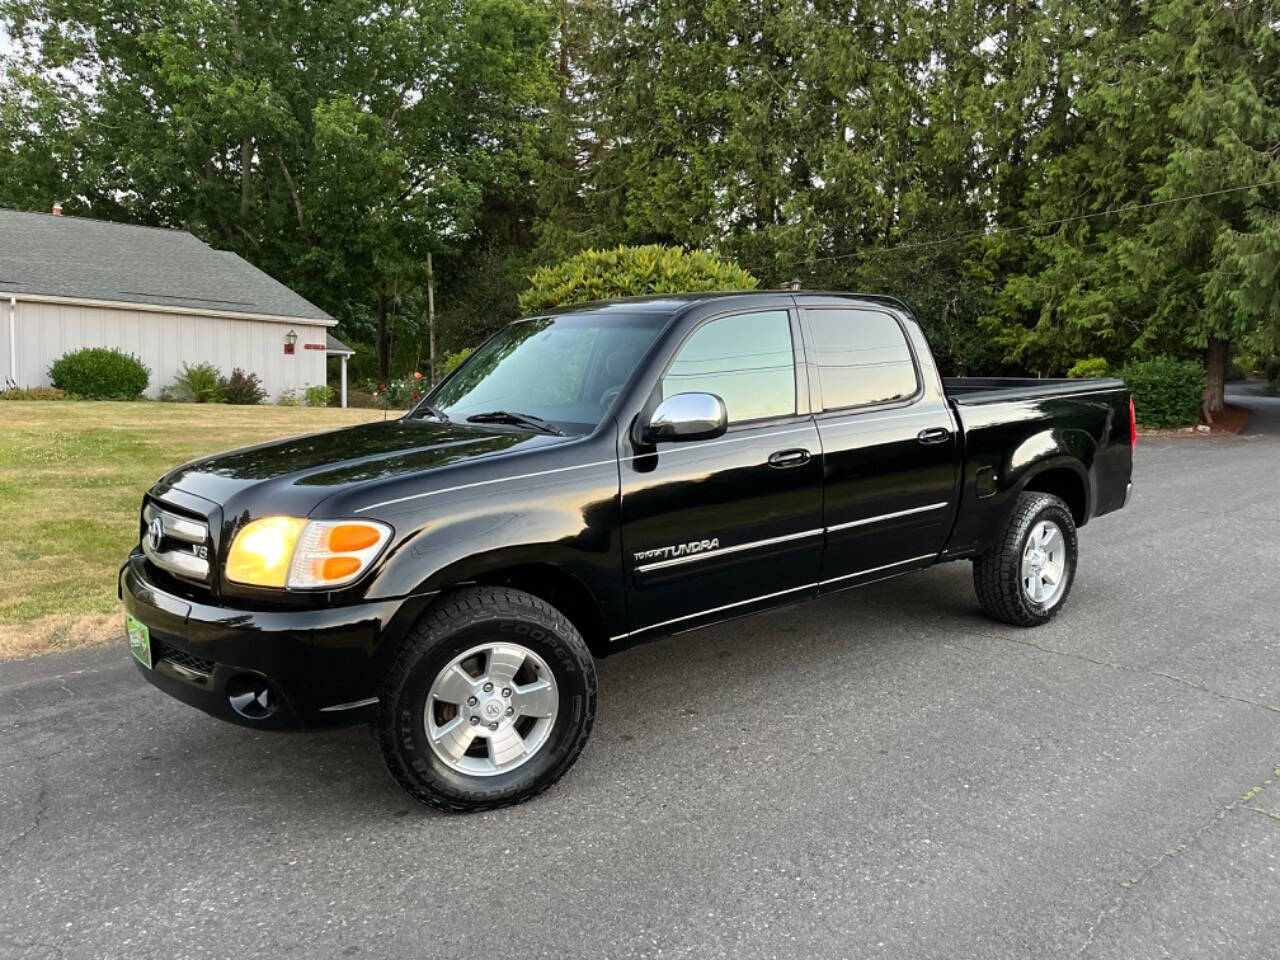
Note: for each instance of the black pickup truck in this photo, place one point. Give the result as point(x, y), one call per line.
point(588, 479)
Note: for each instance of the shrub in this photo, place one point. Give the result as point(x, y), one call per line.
point(196, 384)
point(97, 373)
point(319, 396)
point(1271, 370)
point(33, 393)
point(243, 389)
point(287, 398)
point(629, 272)
point(399, 394)
point(1166, 393)
point(1089, 367)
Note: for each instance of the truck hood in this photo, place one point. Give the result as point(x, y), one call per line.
point(292, 476)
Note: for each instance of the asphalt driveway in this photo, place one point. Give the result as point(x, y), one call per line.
point(880, 773)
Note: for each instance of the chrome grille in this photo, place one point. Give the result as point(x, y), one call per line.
point(176, 544)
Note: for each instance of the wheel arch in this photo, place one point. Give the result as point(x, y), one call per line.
point(1065, 478)
point(552, 583)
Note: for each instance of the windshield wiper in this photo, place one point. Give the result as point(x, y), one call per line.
point(516, 419)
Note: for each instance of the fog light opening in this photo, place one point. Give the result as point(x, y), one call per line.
point(252, 697)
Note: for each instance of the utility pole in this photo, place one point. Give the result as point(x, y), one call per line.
point(431, 318)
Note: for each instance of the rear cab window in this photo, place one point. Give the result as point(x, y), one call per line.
point(861, 357)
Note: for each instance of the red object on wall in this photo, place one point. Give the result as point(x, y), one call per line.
point(288, 348)
point(313, 346)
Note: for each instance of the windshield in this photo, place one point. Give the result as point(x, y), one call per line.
point(563, 370)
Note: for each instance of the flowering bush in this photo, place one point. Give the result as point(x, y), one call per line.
point(399, 394)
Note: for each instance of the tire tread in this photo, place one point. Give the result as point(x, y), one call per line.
point(455, 611)
point(995, 573)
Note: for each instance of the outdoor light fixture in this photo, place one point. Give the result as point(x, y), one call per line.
point(290, 339)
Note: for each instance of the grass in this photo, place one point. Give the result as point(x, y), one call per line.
point(72, 475)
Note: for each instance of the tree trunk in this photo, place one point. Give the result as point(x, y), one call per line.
point(384, 353)
point(431, 320)
point(1215, 377)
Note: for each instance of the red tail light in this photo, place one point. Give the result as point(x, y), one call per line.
point(1133, 426)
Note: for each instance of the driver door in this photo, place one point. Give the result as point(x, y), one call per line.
point(713, 528)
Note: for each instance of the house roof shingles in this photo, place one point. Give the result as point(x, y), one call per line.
point(77, 258)
point(335, 346)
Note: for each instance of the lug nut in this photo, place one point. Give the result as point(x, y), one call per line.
point(471, 701)
point(510, 711)
point(493, 726)
point(506, 691)
point(474, 721)
point(488, 688)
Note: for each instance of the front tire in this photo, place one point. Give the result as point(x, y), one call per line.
point(1025, 577)
point(489, 700)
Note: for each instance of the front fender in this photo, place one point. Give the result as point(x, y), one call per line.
point(575, 530)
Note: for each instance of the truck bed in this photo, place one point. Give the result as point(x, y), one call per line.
point(971, 390)
point(1079, 428)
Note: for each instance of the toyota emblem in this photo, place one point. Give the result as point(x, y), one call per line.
point(155, 533)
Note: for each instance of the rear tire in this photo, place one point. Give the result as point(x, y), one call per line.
point(489, 700)
point(1025, 577)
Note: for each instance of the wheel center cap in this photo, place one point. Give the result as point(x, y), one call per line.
point(1037, 559)
point(492, 709)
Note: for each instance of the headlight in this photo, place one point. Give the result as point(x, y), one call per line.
point(303, 555)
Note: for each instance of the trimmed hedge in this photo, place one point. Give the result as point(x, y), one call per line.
point(630, 272)
point(96, 373)
point(1089, 367)
point(1166, 393)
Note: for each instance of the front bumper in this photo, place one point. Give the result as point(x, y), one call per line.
point(323, 664)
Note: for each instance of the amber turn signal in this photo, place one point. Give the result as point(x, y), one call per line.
point(349, 537)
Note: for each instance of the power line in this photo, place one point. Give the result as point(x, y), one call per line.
point(1043, 223)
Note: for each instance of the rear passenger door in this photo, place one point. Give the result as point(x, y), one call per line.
point(888, 442)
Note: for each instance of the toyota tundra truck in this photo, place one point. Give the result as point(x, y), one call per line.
point(588, 479)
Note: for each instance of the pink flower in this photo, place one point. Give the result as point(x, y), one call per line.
point(417, 375)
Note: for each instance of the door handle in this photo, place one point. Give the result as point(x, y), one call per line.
point(789, 458)
point(934, 435)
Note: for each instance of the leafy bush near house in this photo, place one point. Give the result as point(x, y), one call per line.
point(196, 384)
point(319, 396)
point(243, 389)
point(629, 272)
point(34, 393)
point(287, 398)
point(1089, 367)
point(1166, 393)
point(96, 373)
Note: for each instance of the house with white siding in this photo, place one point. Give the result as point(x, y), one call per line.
point(160, 294)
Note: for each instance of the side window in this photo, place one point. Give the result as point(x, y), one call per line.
point(862, 357)
point(745, 359)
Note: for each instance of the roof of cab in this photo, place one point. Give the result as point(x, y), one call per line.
point(674, 302)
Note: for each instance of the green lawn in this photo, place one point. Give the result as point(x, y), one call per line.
point(72, 475)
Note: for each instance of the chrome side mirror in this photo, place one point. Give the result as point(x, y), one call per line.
point(687, 416)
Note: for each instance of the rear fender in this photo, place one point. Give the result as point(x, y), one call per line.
point(993, 483)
